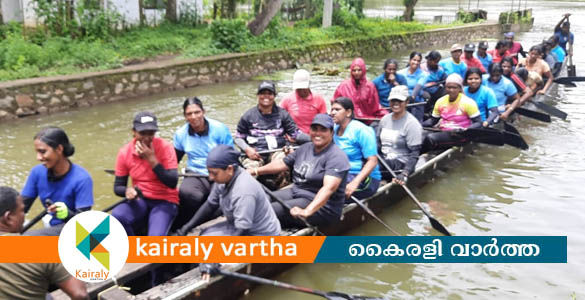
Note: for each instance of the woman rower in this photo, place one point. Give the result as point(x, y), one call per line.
point(526, 92)
point(503, 88)
point(432, 82)
point(151, 162)
point(358, 141)
point(388, 80)
point(456, 112)
point(400, 136)
point(413, 73)
point(196, 138)
point(319, 171)
point(362, 92)
point(66, 184)
point(302, 105)
point(239, 196)
point(483, 96)
point(535, 63)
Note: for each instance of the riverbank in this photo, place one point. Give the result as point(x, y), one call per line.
point(21, 98)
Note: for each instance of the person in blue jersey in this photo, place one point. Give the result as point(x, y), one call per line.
point(557, 52)
point(413, 73)
point(485, 58)
point(483, 96)
point(196, 138)
point(67, 185)
point(563, 31)
point(432, 82)
point(503, 88)
point(358, 141)
point(454, 64)
point(387, 80)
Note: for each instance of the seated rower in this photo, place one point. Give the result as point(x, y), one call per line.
point(483, 96)
point(151, 163)
point(413, 73)
point(503, 88)
point(239, 196)
point(515, 47)
point(362, 92)
point(400, 136)
point(454, 64)
point(57, 179)
point(27, 281)
point(432, 82)
point(358, 141)
point(319, 172)
point(470, 60)
point(264, 127)
point(456, 112)
point(302, 104)
point(388, 80)
point(481, 54)
point(196, 139)
point(526, 92)
point(500, 51)
point(535, 63)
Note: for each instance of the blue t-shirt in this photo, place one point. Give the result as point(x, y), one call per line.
point(451, 67)
point(563, 39)
point(502, 89)
point(485, 61)
point(384, 87)
point(358, 142)
point(412, 79)
point(197, 146)
point(75, 189)
point(485, 99)
point(432, 76)
point(559, 52)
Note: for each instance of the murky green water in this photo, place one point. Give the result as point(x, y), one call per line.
point(497, 191)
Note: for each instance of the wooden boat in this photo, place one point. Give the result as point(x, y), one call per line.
point(189, 284)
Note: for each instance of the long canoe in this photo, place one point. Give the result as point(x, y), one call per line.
point(189, 284)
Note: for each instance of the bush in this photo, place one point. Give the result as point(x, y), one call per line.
point(229, 34)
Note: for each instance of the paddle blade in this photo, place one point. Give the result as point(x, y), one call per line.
point(571, 70)
point(551, 110)
point(342, 296)
point(515, 140)
point(533, 114)
point(438, 226)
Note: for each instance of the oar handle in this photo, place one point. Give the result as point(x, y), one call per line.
point(37, 218)
point(371, 213)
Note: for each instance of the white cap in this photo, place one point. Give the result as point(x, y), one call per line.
point(301, 79)
point(399, 92)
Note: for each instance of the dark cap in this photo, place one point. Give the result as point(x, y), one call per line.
point(469, 47)
point(267, 85)
point(566, 24)
point(434, 54)
point(483, 45)
point(144, 121)
point(222, 156)
point(323, 120)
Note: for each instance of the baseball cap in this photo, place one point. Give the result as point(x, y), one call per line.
point(144, 121)
point(323, 120)
point(509, 34)
point(399, 92)
point(456, 47)
point(267, 85)
point(483, 45)
point(301, 79)
point(434, 54)
point(469, 47)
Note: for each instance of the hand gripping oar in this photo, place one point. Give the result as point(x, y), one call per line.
point(288, 286)
point(436, 224)
point(37, 218)
point(371, 213)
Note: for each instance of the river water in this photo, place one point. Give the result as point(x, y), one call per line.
point(497, 191)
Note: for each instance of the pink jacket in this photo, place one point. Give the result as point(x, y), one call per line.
point(364, 97)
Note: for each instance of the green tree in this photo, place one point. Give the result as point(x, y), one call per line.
point(408, 15)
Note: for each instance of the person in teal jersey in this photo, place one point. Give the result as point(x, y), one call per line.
point(503, 88)
point(481, 54)
point(358, 141)
point(454, 64)
point(482, 95)
point(413, 73)
point(67, 185)
point(432, 82)
point(196, 138)
point(387, 80)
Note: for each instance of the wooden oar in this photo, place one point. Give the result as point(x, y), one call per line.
point(436, 224)
point(569, 79)
point(288, 286)
point(112, 172)
point(490, 136)
point(371, 213)
point(270, 151)
point(532, 114)
point(408, 105)
point(38, 217)
point(553, 111)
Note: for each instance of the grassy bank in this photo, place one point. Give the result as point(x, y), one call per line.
point(25, 55)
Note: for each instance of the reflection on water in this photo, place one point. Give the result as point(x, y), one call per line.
point(496, 191)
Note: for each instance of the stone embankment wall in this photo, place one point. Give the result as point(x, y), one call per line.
point(26, 97)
